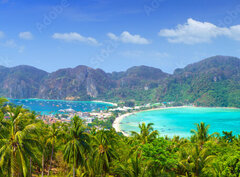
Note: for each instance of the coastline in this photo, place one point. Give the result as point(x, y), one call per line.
point(117, 121)
point(99, 101)
point(65, 100)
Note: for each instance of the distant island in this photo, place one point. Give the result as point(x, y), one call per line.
point(211, 82)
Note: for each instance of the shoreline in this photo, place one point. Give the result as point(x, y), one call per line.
point(117, 121)
point(99, 101)
point(65, 100)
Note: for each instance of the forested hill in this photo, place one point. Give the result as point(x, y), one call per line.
point(213, 81)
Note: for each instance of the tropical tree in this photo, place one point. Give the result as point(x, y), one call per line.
point(193, 160)
point(201, 134)
point(77, 144)
point(2, 102)
point(53, 135)
point(44, 143)
point(104, 150)
point(147, 134)
point(17, 142)
point(134, 167)
point(162, 155)
point(228, 136)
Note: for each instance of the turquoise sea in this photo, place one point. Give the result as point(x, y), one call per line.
point(53, 106)
point(179, 121)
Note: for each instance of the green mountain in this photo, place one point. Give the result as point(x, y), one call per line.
point(213, 81)
point(81, 82)
point(20, 81)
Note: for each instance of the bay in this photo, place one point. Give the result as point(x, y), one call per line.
point(54, 106)
point(179, 121)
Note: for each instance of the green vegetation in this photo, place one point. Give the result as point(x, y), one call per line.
point(138, 95)
point(201, 91)
point(28, 147)
point(214, 81)
point(210, 82)
point(106, 124)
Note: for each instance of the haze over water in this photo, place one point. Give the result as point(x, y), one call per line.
point(179, 121)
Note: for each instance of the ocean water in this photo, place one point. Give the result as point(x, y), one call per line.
point(53, 106)
point(179, 121)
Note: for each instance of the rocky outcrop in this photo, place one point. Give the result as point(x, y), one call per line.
point(21, 81)
point(80, 82)
point(212, 81)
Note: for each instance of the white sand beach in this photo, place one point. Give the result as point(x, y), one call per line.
point(99, 101)
point(116, 123)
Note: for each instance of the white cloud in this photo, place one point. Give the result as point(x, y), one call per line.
point(234, 32)
point(194, 32)
point(70, 37)
point(1, 34)
point(26, 35)
point(12, 44)
point(126, 37)
point(112, 36)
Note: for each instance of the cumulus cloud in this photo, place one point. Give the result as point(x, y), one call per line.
point(126, 37)
point(73, 36)
point(194, 32)
point(26, 35)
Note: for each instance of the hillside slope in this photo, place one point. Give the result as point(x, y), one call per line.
point(214, 81)
point(20, 81)
point(81, 82)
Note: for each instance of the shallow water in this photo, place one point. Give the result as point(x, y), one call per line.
point(179, 121)
point(53, 106)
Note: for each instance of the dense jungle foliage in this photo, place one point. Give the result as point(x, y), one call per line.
point(28, 147)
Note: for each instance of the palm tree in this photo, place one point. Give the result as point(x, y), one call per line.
point(202, 133)
point(104, 150)
point(147, 134)
point(132, 168)
point(2, 101)
point(228, 136)
point(17, 142)
point(53, 136)
point(194, 159)
point(178, 141)
point(43, 141)
point(3, 124)
point(77, 144)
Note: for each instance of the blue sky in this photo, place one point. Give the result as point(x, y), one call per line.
point(116, 34)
